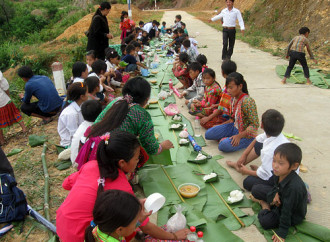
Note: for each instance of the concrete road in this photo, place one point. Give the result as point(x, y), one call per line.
point(305, 108)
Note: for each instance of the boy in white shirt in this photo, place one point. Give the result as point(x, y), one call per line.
point(79, 71)
point(264, 145)
point(90, 111)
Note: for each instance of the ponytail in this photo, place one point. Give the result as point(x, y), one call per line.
point(121, 145)
point(74, 92)
point(238, 79)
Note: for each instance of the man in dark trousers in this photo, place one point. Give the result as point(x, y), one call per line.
point(228, 18)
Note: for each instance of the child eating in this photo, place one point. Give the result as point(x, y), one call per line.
point(180, 70)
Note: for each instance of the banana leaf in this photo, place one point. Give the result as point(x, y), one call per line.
point(14, 152)
point(317, 231)
point(35, 140)
point(194, 154)
point(63, 165)
point(163, 158)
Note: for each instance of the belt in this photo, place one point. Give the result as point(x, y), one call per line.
point(229, 27)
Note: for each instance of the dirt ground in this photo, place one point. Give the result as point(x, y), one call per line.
point(304, 108)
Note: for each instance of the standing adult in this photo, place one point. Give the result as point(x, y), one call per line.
point(228, 18)
point(49, 102)
point(99, 34)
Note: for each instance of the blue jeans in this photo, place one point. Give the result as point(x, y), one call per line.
point(131, 67)
point(226, 131)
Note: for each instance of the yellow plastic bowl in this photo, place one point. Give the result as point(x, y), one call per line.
point(189, 190)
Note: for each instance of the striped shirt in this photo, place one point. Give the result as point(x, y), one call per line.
point(298, 44)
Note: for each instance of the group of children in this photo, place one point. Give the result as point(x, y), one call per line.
point(228, 113)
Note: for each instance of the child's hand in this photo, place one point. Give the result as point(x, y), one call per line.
point(166, 145)
point(108, 89)
point(204, 120)
point(243, 169)
point(235, 140)
point(181, 234)
point(143, 214)
point(277, 239)
point(276, 201)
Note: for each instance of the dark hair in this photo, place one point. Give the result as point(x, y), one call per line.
point(201, 59)
point(113, 209)
point(90, 110)
point(195, 66)
point(136, 87)
point(141, 22)
point(98, 66)
point(181, 31)
point(178, 17)
point(154, 22)
point(25, 72)
point(184, 57)
point(75, 91)
point(177, 48)
point(290, 151)
point(175, 31)
point(230, 0)
point(157, 23)
point(129, 49)
point(123, 48)
point(238, 79)
point(136, 44)
point(186, 43)
point(121, 146)
point(91, 53)
point(304, 30)
point(183, 24)
point(78, 68)
point(111, 53)
point(163, 23)
point(92, 82)
point(103, 5)
point(137, 29)
point(273, 122)
point(123, 13)
point(184, 36)
point(228, 66)
point(209, 71)
point(129, 38)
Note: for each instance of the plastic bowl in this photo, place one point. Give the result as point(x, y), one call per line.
point(154, 202)
point(189, 191)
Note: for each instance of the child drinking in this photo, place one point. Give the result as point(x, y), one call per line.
point(240, 130)
point(212, 94)
point(115, 216)
point(71, 116)
point(196, 91)
point(89, 110)
point(296, 52)
point(79, 71)
point(220, 115)
point(90, 59)
point(285, 203)
point(180, 70)
point(9, 114)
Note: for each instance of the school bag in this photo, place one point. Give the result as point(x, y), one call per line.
point(13, 205)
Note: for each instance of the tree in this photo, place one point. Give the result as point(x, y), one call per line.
point(6, 11)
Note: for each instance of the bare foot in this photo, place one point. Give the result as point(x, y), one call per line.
point(308, 83)
point(254, 167)
point(263, 204)
point(283, 81)
point(232, 164)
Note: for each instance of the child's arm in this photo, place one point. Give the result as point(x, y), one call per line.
point(141, 65)
point(309, 50)
point(288, 49)
point(246, 171)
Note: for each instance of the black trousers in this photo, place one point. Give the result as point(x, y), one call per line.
point(229, 36)
point(269, 219)
point(30, 108)
point(294, 57)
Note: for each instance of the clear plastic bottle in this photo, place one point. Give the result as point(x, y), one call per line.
point(192, 236)
point(197, 127)
point(200, 236)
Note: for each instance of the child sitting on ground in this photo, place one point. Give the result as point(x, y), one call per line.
point(178, 22)
point(145, 38)
point(212, 95)
point(71, 116)
point(193, 43)
point(272, 122)
point(201, 59)
point(220, 115)
point(183, 26)
point(89, 110)
point(190, 51)
point(131, 60)
point(9, 114)
point(163, 28)
point(180, 70)
point(79, 71)
point(296, 52)
point(90, 59)
point(113, 74)
point(285, 203)
point(176, 39)
point(115, 214)
point(93, 87)
point(196, 91)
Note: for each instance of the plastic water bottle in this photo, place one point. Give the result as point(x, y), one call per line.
point(194, 143)
point(192, 236)
point(197, 127)
point(200, 236)
point(170, 84)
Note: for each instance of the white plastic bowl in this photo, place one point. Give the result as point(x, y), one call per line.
point(154, 202)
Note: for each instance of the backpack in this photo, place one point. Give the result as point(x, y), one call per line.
point(13, 205)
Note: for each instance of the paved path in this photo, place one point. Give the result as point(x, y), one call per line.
point(305, 108)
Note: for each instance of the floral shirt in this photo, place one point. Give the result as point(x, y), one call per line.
point(212, 95)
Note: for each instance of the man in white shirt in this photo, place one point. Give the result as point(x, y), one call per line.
point(228, 17)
